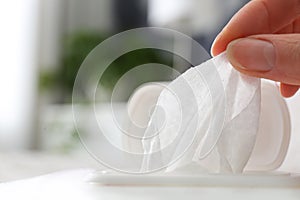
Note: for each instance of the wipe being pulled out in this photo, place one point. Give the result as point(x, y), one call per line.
point(206, 119)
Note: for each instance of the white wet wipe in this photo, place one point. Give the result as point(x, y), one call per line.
point(206, 119)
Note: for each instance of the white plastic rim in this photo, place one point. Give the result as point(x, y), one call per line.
point(274, 132)
point(274, 129)
point(111, 178)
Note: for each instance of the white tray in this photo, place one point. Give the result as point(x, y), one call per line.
point(202, 180)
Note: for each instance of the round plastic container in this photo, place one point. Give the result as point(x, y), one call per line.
point(274, 132)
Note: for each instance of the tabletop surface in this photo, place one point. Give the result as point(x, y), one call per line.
point(72, 184)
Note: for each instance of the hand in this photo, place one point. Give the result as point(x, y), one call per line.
point(263, 40)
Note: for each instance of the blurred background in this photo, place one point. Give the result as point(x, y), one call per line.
point(43, 44)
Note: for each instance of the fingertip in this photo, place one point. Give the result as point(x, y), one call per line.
point(287, 90)
point(217, 47)
point(213, 51)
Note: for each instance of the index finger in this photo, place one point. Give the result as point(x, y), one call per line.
point(257, 17)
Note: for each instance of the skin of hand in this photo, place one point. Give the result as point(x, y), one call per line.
point(263, 40)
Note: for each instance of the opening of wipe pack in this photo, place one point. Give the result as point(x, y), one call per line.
point(206, 119)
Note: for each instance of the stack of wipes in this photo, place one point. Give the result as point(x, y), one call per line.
point(205, 119)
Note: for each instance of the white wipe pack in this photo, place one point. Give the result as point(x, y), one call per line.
point(206, 119)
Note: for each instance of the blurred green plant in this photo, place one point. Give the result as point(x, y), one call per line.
point(58, 84)
point(74, 50)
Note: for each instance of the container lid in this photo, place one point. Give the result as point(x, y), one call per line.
point(274, 131)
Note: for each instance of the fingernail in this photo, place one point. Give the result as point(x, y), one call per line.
point(252, 54)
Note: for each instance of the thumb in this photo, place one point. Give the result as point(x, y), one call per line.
point(275, 57)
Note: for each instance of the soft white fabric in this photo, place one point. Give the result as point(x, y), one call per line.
point(207, 117)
